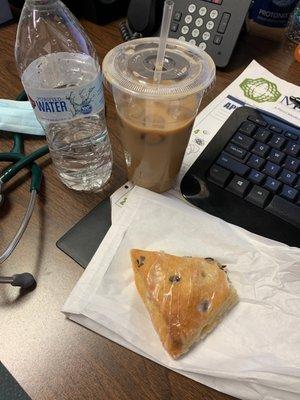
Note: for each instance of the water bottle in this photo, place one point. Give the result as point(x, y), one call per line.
point(61, 75)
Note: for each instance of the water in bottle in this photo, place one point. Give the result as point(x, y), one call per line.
point(61, 75)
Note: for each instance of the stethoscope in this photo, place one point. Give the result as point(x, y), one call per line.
point(19, 160)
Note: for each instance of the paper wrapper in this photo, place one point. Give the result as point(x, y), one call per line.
point(255, 351)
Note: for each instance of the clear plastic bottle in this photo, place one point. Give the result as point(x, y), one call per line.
point(61, 75)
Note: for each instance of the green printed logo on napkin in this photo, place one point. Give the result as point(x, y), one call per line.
point(260, 90)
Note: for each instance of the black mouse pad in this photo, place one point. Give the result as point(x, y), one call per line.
point(82, 241)
point(9, 387)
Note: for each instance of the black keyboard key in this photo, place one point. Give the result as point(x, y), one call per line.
point(275, 128)
point(289, 193)
point(291, 135)
point(256, 162)
point(261, 149)
point(272, 184)
point(276, 156)
point(271, 169)
point(236, 151)
point(256, 176)
point(258, 196)
point(297, 184)
point(248, 128)
point(243, 141)
point(277, 142)
point(292, 164)
point(238, 186)
point(232, 165)
point(257, 120)
point(285, 210)
point(287, 177)
point(219, 175)
point(292, 149)
point(262, 135)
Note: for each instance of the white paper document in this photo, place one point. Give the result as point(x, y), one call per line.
point(254, 352)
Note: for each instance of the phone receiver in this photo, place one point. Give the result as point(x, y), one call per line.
point(145, 16)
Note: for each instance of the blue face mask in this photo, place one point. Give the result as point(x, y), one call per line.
point(18, 116)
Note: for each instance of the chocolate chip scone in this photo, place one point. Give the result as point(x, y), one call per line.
point(185, 296)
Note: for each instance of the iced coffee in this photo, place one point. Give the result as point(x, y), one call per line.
point(156, 119)
point(155, 135)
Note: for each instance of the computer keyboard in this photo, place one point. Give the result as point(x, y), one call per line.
point(249, 175)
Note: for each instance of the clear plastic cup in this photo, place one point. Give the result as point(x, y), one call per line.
point(156, 119)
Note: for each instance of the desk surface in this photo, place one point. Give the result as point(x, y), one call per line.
point(51, 357)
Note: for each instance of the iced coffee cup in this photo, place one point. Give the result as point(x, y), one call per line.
point(156, 118)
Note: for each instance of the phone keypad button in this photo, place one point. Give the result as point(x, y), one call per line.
point(193, 41)
point(206, 36)
point(218, 39)
point(192, 8)
point(174, 27)
point(182, 38)
point(188, 19)
point(202, 11)
point(213, 14)
point(199, 22)
point(202, 46)
point(195, 33)
point(177, 16)
point(210, 25)
point(184, 29)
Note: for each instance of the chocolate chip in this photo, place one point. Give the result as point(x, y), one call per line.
point(223, 266)
point(174, 278)
point(204, 306)
point(140, 261)
point(203, 274)
point(209, 259)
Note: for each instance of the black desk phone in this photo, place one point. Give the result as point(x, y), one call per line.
point(213, 25)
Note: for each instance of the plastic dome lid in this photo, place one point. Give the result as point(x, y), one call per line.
point(130, 68)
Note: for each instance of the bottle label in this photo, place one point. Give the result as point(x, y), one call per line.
point(273, 13)
point(63, 104)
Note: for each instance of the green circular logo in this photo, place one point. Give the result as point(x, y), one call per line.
point(260, 90)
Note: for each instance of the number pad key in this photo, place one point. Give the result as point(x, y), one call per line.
point(202, 11)
point(261, 149)
point(206, 36)
point(214, 14)
point(276, 156)
point(199, 22)
point(188, 19)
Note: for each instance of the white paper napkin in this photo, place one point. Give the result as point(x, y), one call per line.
point(255, 352)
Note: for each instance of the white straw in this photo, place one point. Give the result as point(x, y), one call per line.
point(164, 32)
